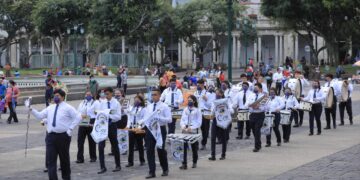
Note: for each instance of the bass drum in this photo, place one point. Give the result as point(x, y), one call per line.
point(295, 86)
point(329, 98)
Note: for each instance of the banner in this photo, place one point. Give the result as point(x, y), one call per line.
point(177, 150)
point(222, 113)
point(123, 140)
point(152, 124)
point(101, 126)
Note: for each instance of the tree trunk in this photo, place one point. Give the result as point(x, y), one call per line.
point(333, 52)
point(61, 55)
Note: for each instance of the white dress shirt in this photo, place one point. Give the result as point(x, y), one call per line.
point(85, 107)
point(135, 116)
point(66, 117)
point(264, 88)
point(304, 82)
point(275, 104)
point(164, 116)
point(252, 99)
point(290, 102)
point(239, 99)
point(335, 85)
point(192, 119)
point(320, 96)
point(202, 103)
point(277, 77)
point(115, 109)
point(178, 97)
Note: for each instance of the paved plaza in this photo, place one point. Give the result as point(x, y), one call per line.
point(332, 155)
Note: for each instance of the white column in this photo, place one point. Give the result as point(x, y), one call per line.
point(123, 44)
point(260, 48)
point(17, 64)
point(41, 47)
point(255, 52)
point(29, 50)
point(214, 52)
point(276, 60)
point(281, 38)
point(238, 48)
point(296, 47)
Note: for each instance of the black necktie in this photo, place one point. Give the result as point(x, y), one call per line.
point(244, 98)
point(108, 104)
point(54, 119)
point(172, 98)
point(328, 84)
point(154, 107)
point(256, 97)
point(314, 96)
point(137, 108)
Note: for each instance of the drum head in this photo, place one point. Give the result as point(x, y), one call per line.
point(298, 89)
point(329, 98)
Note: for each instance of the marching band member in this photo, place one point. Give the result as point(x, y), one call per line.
point(240, 101)
point(173, 97)
point(291, 103)
point(277, 78)
point(190, 123)
point(135, 119)
point(330, 82)
point(61, 119)
point(244, 78)
point(163, 117)
point(85, 108)
point(115, 116)
point(217, 131)
point(316, 96)
point(274, 106)
point(304, 82)
point(260, 80)
point(257, 114)
point(204, 99)
point(226, 88)
point(347, 104)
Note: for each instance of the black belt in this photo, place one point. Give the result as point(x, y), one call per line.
point(55, 133)
point(257, 112)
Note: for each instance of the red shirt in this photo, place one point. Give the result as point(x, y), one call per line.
point(9, 93)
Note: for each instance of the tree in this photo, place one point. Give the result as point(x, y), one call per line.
point(53, 17)
point(329, 19)
point(15, 20)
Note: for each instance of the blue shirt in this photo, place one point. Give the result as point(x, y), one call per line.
point(2, 90)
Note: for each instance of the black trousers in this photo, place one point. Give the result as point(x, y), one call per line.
point(223, 135)
point(112, 134)
point(348, 106)
point(48, 97)
point(194, 148)
point(276, 129)
point(84, 132)
point(287, 128)
point(299, 115)
point(278, 88)
point(13, 114)
point(315, 112)
point(172, 126)
point(240, 126)
point(331, 111)
point(125, 88)
point(205, 128)
point(256, 122)
point(46, 153)
point(137, 139)
point(150, 151)
point(58, 144)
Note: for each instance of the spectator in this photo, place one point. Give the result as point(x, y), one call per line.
point(7, 70)
point(193, 79)
point(118, 77)
point(17, 74)
point(93, 86)
point(2, 89)
point(49, 91)
point(12, 94)
point(339, 71)
point(124, 80)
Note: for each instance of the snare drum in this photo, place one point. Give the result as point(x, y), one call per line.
point(269, 120)
point(305, 106)
point(285, 117)
point(176, 113)
point(243, 115)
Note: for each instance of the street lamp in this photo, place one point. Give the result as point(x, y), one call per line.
point(76, 30)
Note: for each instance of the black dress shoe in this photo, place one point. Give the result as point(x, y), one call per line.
point(296, 125)
point(117, 169)
point(149, 176)
point(255, 150)
point(318, 133)
point(286, 141)
point(278, 144)
point(45, 170)
point(111, 154)
point(92, 160)
point(310, 134)
point(267, 145)
point(142, 163)
point(165, 173)
point(247, 137)
point(341, 124)
point(194, 165)
point(222, 158)
point(239, 137)
point(327, 128)
point(212, 158)
point(102, 171)
point(351, 123)
point(129, 165)
point(203, 147)
point(79, 161)
point(218, 142)
point(183, 167)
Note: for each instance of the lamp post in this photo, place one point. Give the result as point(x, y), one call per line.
point(230, 16)
point(76, 30)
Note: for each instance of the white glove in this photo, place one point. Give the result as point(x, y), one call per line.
point(69, 132)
